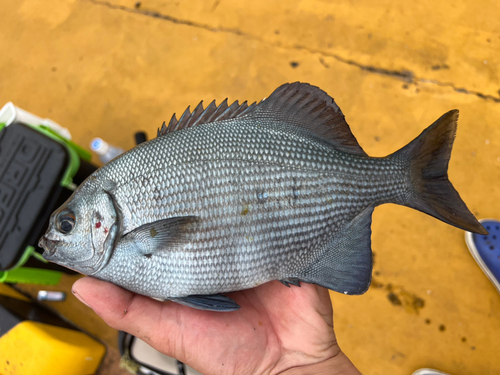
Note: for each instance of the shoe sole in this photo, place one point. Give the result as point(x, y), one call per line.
point(469, 240)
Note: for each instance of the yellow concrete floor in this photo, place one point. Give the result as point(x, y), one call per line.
point(110, 68)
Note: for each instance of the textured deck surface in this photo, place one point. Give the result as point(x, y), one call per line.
point(110, 68)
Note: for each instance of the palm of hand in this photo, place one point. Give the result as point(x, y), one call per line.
point(277, 328)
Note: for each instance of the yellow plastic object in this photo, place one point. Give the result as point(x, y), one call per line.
point(38, 348)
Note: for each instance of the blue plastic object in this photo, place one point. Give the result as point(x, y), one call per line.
point(486, 250)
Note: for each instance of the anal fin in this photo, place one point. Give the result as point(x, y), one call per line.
point(346, 264)
point(214, 302)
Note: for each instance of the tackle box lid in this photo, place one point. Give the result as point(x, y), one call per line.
point(31, 168)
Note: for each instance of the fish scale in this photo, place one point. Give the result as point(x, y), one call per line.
point(223, 231)
point(279, 190)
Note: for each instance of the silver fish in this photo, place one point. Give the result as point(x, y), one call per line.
point(231, 197)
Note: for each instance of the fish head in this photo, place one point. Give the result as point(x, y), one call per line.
point(82, 232)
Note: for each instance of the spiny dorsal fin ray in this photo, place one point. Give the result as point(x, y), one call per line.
point(205, 116)
point(183, 120)
point(173, 120)
point(210, 114)
point(231, 110)
point(163, 128)
point(218, 111)
point(195, 115)
point(312, 111)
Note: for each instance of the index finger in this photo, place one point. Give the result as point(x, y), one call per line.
point(138, 315)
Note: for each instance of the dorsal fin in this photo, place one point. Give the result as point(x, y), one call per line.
point(307, 108)
point(202, 116)
point(313, 111)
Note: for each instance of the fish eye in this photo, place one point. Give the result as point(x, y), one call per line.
point(66, 221)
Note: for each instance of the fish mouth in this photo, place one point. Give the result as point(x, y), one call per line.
point(50, 247)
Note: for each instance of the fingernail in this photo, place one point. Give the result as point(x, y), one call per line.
point(80, 298)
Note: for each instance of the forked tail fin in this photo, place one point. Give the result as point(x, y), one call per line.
point(433, 193)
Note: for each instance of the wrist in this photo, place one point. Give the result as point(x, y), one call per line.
point(340, 364)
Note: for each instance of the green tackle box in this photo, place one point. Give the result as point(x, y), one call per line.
point(39, 169)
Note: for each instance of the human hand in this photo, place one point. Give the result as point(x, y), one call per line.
point(277, 330)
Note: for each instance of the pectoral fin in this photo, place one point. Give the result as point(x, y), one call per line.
point(162, 235)
point(215, 302)
point(346, 263)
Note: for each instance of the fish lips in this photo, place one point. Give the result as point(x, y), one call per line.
point(49, 246)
